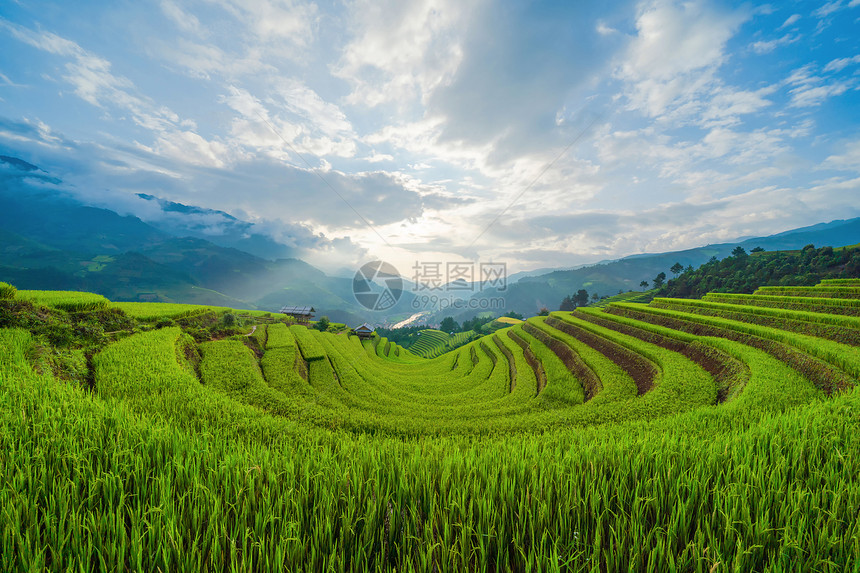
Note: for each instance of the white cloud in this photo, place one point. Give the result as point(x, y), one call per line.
point(94, 82)
point(840, 64)
point(790, 20)
point(675, 54)
point(727, 105)
point(4, 80)
point(286, 22)
point(604, 30)
point(828, 9)
point(188, 147)
point(185, 21)
point(401, 50)
point(297, 120)
point(765, 47)
point(810, 90)
point(848, 160)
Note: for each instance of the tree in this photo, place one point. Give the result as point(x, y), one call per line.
point(757, 250)
point(513, 314)
point(544, 311)
point(658, 280)
point(567, 304)
point(677, 268)
point(739, 252)
point(449, 325)
point(644, 284)
point(322, 324)
point(595, 297)
point(581, 297)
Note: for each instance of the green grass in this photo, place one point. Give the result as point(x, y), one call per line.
point(7, 291)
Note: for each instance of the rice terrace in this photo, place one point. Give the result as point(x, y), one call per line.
point(429, 286)
point(680, 435)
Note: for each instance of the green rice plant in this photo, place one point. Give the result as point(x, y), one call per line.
point(850, 307)
point(280, 335)
point(7, 291)
point(679, 383)
point(638, 367)
point(155, 310)
point(840, 282)
point(730, 374)
point(820, 360)
point(562, 388)
point(843, 292)
point(442, 464)
point(65, 300)
point(844, 329)
point(309, 346)
point(92, 486)
point(229, 366)
point(531, 359)
point(432, 343)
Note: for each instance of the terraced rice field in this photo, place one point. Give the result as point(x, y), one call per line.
point(682, 435)
point(433, 343)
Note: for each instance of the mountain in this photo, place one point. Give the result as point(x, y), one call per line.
point(50, 240)
point(214, 226)
point(530, 293)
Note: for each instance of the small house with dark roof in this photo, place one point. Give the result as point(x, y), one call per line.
point(364, 331)
point(302, 314)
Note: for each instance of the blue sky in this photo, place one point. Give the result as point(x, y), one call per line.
point(402, 130)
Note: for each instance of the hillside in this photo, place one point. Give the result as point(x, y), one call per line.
point(745, 272)
point(530, 293)
point(724, 403)
point(50, 240)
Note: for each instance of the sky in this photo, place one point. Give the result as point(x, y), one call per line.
point(538, 134)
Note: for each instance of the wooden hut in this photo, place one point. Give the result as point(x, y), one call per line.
point(364, 331)
point(302, 314)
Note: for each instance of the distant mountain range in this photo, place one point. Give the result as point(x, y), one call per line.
point(50, 240)
point(530, 293)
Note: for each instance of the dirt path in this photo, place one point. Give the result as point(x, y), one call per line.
point(253, 329)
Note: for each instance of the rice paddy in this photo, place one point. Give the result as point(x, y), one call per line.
point(679, 435)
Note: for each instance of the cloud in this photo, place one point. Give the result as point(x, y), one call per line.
point(519, 92)
point(849, 160)
point(790, 20)
point(766, 47)
point(727, 105)
point(840, 64)
point(95, 83)
point(185, 21)
point(829, 8)
point(284, 22)
point(811, 90)
point(4, 80)
point(675, 54)
point(294, 118)
point(401, 51)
